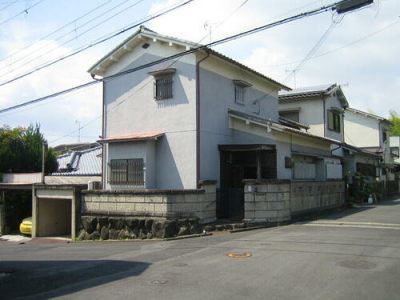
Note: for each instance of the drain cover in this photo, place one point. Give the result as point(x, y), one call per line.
point(239, 255)
point(158, 282)
point(180, 265)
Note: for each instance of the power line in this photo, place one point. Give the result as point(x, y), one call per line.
point(312, 51)
point(75, 37)
point(55, 31)
point(339, 48)
point(21, 12)
point(190, 51)
point(96, 43)
point(149, 81)
point(7, 6)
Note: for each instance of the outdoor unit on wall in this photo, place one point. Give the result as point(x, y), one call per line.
point(349, 5)
point(94, 185)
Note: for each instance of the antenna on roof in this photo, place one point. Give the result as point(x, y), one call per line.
point(79, 130)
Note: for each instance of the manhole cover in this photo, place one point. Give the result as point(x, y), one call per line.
point(239, 255)
point(180, 265)
point(357, 264)
point(159, 282)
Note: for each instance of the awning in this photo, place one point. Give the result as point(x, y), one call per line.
point(132, 137)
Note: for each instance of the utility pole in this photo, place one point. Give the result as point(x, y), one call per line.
point(44, 148)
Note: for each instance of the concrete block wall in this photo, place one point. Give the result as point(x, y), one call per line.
point(314, 195)
point(281, 200)
point(267, 201)
point(169, 204)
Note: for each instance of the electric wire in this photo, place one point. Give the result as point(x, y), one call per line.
point(7, 6)
point(96, 43)
point(340, 48)
point(55, 31)
point(149, 81)
point(71, 39)
point(21, 12)
point(312, 51)
point(190, 51)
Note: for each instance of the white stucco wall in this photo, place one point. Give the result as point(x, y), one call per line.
point(130, 108)
point(311, 113)
point(217, 95)
point(314, 113)
point(361, 131)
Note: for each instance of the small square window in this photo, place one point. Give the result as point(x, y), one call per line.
point(163, 88)
point(163, 83)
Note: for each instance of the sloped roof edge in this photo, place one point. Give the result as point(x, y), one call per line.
point(152, 34)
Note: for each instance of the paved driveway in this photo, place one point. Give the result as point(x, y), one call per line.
point(354, 254)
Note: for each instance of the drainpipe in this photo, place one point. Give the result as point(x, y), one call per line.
point(198, 119)
point(325, 125)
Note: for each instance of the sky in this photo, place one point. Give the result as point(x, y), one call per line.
point(358, 50)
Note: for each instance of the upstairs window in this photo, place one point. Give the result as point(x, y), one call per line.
point(163, 88)
point(333, 120)
point(290, 115)
point(240, 91)
point(163, 83)
point(384, 136)
point(126, 171)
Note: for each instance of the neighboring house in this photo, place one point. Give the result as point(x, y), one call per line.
point(395, 148)
point(324, 110)
point(371, 134)
point(319, 107)
point(64, 148)
point(178, 125)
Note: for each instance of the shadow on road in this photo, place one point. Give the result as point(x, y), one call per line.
point(47, 279)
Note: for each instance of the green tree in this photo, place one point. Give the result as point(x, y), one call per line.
point(395, 119)
point(21, 150)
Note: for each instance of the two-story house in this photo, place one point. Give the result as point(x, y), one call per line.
point(173, 124)
point(370, 133)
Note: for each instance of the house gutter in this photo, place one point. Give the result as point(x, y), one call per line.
point(198, 118)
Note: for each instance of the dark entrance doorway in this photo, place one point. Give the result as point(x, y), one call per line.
point(238, 162)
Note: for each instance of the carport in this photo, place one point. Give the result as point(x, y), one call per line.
point(15, 183)
point(55, 210)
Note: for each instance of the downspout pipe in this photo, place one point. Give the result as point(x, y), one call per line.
point(198, 118)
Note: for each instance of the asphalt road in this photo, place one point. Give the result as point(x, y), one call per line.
point(354, 254)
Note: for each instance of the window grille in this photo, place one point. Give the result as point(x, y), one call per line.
point(163, 88)
point(126, 171)
point(239, 94)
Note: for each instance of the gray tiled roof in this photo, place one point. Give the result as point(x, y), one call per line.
point(309, 90)
point(80, 163)
point(145, 30)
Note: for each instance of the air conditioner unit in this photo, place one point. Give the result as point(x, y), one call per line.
point(94, 185)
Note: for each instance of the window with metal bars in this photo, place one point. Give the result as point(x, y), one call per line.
point(126, 171)
point(163, 88)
